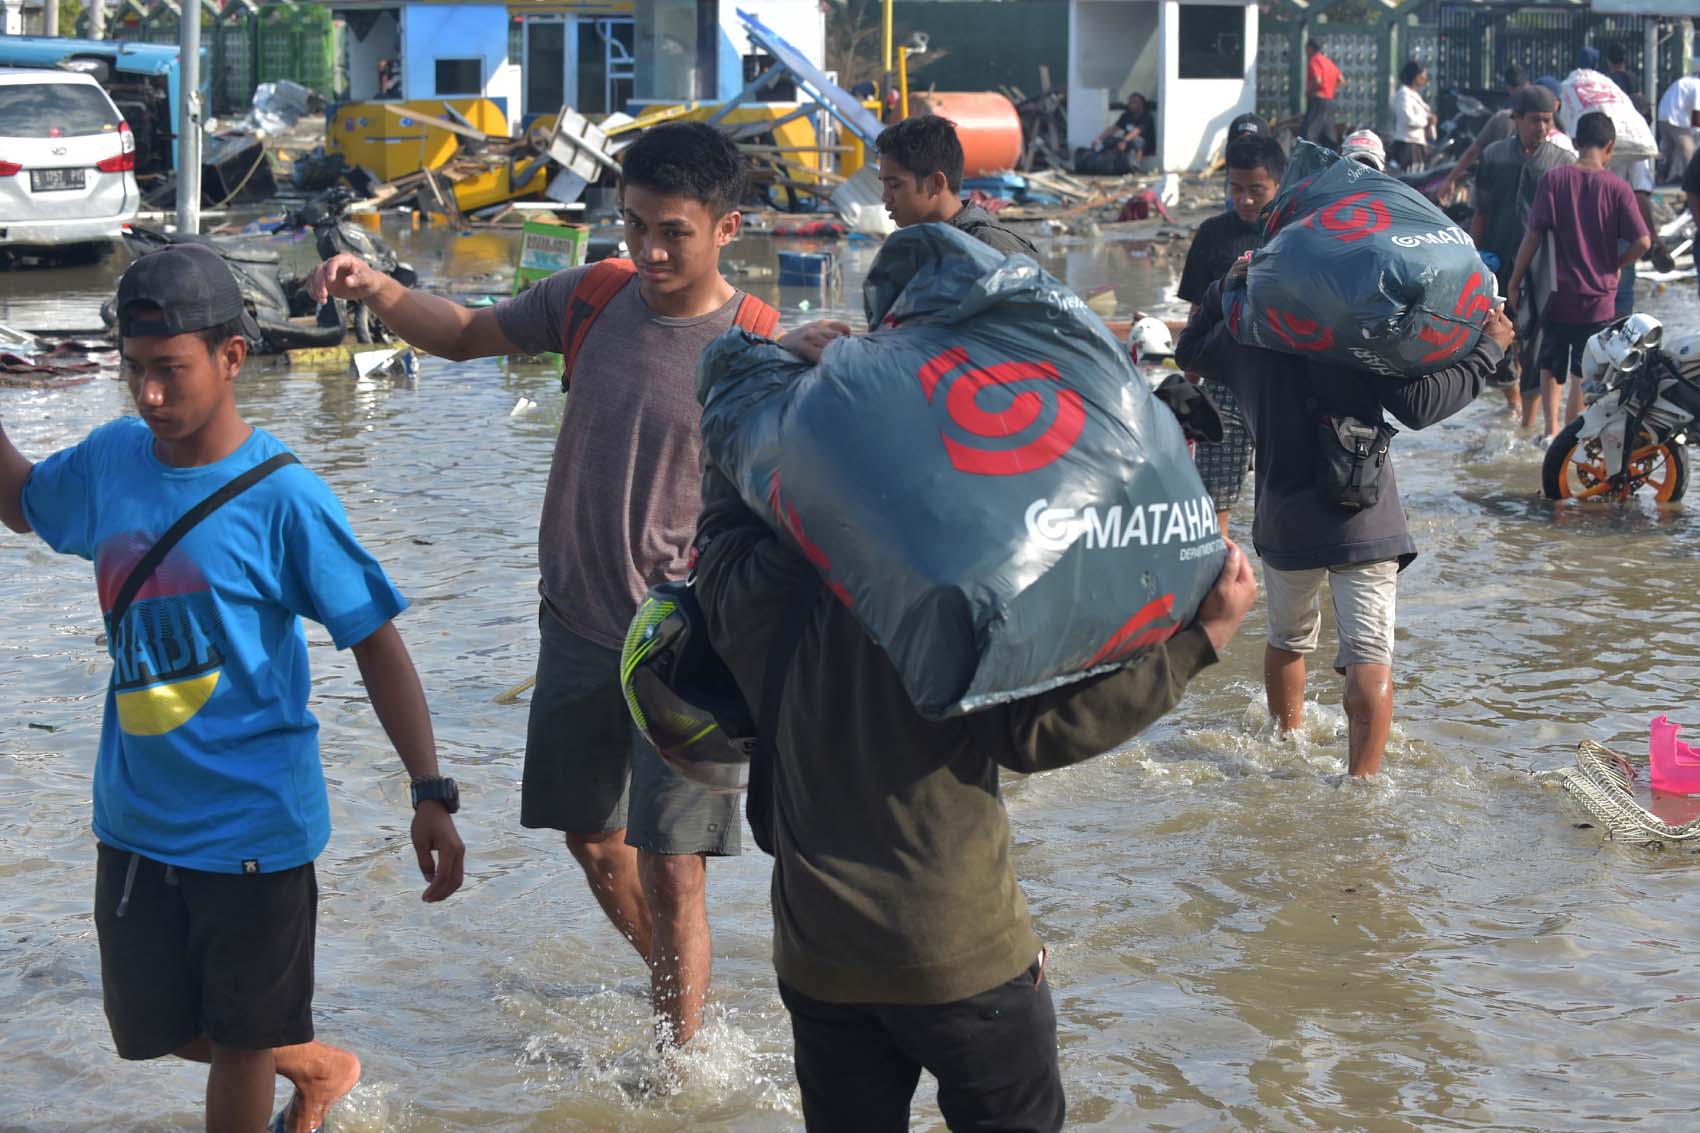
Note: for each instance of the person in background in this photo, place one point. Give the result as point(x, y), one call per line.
point(1495, 129)
point(1413, 121)
point(1505, 196)
point(920, 167)
point(1134, 132)
point(1322, 83)
point(1255, 166)
point(619, 513)
point(1679, 121)
point(1617, 69)
point(1365, 148)
point(1691, 190)
point(1248, 124)
point(1591, 213)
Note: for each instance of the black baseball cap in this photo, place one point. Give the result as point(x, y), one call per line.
point(191, 286)
point(1248, 125)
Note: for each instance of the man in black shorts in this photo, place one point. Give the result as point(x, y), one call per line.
point(1255, 165)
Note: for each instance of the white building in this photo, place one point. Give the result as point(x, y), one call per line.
point(1197, 60)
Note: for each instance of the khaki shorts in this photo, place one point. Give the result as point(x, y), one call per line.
point(1363, 595)
point(588, 770)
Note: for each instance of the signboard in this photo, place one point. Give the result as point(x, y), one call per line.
point(548, 247)
point(1683, 8)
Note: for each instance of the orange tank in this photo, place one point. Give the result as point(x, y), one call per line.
point(986, 123)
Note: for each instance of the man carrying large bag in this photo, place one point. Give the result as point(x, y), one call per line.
point(902, 941)
point(1327, 503)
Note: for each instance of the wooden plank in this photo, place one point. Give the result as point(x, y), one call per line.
point(440, 123)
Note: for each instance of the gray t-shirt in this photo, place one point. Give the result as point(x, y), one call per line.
point(625, 484)
point(1505, 193)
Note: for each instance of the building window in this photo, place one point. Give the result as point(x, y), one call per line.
point(460, 77)
point(1212, 41)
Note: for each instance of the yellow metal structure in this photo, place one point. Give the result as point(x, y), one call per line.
point(796, 136)
point(391, 144)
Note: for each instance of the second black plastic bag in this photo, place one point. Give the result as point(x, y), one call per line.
point(983, 479)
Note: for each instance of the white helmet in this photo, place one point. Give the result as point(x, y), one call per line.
point(1150, 340)
point(1364, 146)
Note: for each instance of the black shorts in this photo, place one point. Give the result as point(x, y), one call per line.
point(1563, 344)
point(185, 954)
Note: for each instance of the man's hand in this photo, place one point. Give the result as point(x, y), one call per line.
point(344, 276)
point(1499, 329)
point(441, 853)
point(1239, 269)
point(808, 340)
point(1225, 607)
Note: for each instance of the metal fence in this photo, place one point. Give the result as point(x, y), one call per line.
point(245, 49)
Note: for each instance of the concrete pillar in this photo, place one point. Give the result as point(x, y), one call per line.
point(1650, 73)
point(189, 122)
point(97, 19)
point(50, 17)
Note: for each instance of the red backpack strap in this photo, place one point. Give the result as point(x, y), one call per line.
point(596, 288)
point(756, 317)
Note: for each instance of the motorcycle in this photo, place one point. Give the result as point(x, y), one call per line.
point(1454, 135)
point(1633, 436)
point(334, 233)
point(273, 298)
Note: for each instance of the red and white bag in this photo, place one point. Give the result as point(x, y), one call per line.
point(1586, 91)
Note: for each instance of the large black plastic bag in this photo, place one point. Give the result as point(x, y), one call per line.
point(983, 479)
point(1358, 268)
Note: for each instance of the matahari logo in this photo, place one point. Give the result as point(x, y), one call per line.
point(165, 665)
point(1025, 408)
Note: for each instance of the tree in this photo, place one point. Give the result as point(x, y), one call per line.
point(853, 31)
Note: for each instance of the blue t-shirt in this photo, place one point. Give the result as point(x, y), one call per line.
point(209, 758)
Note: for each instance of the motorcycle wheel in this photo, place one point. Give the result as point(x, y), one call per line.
point(1575, 469)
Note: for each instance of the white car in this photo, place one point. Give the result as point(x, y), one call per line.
point(67, 162)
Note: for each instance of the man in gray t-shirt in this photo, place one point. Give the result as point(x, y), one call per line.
point(619, 514)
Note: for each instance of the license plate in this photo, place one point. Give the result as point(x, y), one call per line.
point(49, 180)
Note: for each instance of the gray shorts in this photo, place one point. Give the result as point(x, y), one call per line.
point(588, 770)
point(1364, 596)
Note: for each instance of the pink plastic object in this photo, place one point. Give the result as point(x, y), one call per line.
point(1675, 765)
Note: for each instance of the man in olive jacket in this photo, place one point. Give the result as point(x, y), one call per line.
point(901, 938)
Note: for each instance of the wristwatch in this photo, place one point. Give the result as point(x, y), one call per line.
point(436, 790)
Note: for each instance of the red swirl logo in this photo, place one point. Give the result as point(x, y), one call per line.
point(1348, 220)
point(1297, 333)
point(963, 395)
point(1449, 340)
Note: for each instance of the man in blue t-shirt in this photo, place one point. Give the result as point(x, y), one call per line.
point(209, 798)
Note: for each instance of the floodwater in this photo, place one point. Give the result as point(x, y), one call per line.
point(1239, 940)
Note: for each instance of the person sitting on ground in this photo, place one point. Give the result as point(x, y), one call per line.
point(920, 167)
point(901, 938)
point(209, 797)
point(1365, 148)
point(1505, 197)
point(1413, 121)
point(1304, 538)
point(619, 512)
point(1322, 81)
point(1133, 133)
point(1679, 121)
point(1591, 213)
point(1497, 128)
point(1255, 166)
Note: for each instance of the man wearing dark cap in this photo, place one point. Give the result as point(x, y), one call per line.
point(209, 543)
point(1505, 196)
point(1496, 128)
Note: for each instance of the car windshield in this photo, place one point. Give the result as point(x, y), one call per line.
point(55, 110)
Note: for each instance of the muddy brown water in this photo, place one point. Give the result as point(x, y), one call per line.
point(1238, 939)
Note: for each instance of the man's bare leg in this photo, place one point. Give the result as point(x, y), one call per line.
point(1549, 401)
point(1284, 687)
point(1222, 523)
point(1513, 401)
point(676, 887)
point(1369, 716)
point(1573, 403)
point(321, 1074)
point(611, 868)
point(240, 1088)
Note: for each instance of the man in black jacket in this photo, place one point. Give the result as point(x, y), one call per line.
point(921, 166)
point(900, 935)
point(1304, 538)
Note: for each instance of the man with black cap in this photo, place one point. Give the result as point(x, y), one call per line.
point(210, 542)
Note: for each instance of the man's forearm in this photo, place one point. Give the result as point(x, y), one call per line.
point(398, 698)
point(14, 471)
point(430, 322)
point(1525, 257)
point(1634, 252)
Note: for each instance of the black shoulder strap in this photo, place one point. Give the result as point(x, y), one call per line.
point(758, 802)
point(144, 569)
